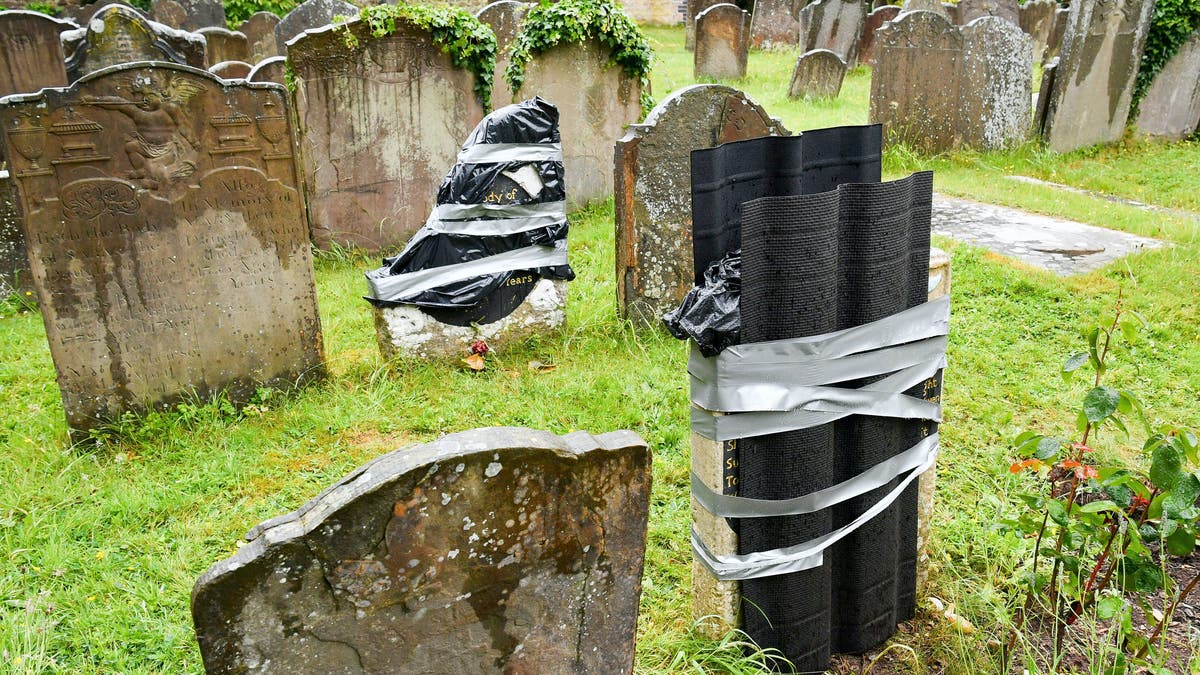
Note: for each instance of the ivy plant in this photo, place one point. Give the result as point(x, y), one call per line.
point(1171, 25)
point(237, 11)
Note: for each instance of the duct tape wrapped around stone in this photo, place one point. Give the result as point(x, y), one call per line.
point(500, 224)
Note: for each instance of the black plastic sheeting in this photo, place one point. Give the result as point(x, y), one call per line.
point(487, 298)
point(711, 314)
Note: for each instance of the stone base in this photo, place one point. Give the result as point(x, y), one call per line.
point(407, 331)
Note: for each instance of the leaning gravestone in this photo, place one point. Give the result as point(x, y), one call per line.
point(969, 10)
point(1098, 62)
point(380, 122)
point(1037, 19)
point(310, 15)
point(490, 550)
point(259, 30)
point(166, 236)
point(818, 74)
point(119, 34)
point(773, 23)
point(835, 25)
point(694, 7)
point(231, 70)
point(189, 14)
point(224, 45)
point(938, 86)
point(653, 205)
point(1171, 107)
point(504, 18)
point(878, 17)
point(596, 101)
point(722, 42)
point(273, 69)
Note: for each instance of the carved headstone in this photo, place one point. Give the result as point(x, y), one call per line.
point(835, 25)
point(273, 69)
point(878, 17)
point(119, 34)
point(818, 74)
point(773, 23)
point(1037, 19)
point(491, 550)
point(380, 122)
point(166, 236)
point(1171, 107)
point(189, 14)
point(694, 7)
point(259, 30)
point(937, 86)
point(653, 195)
point(926, 6)
point(224, 45)
point(231, 70)
point(969, 10)
point(596, 101)
point(31, 55)
point(1099, 60)
point(504, 18)
point(310, 15)
point(722, 42)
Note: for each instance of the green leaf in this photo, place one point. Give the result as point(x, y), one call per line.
point(1181, 542)
point(1182, 497)
point(1058, 511)
point(1109, 605)
point(1120, 495)
point(1098, 506)
point(1100, 402)
point(1047, 447)
point(1167, 527)
point(1166, 467)
point(1073, 363)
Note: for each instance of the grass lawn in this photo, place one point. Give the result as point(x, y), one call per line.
point(99, 547)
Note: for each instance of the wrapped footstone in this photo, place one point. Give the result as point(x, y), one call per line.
point(490, 263)
point(491, 550)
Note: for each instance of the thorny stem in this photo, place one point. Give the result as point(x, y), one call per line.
point(1168, 615)
point(1037, 548)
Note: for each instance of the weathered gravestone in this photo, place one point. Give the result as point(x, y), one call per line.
point(189, 14)
point(596, 101)
point(878, 17)
point(273, 69)
point(1098, 62)
point(835, 25)
point(491, 550)
point(938, 86)
point(14, 266)
point(380, 122)
point(119, 34)
point(969, 10)
point(166, 237)
point(310, 15)
point(1171, 107)
point(232, 70)
point(818, 74)
point(31, 57)
point(259, 30)
point(926, 6)
point(655, 12)
point(653, 191)
point(1062, 16)
point(722, 42)
point(773, 23)
point(224, 45)
point(694, 7)
point(1037, 19)
point(504, 18)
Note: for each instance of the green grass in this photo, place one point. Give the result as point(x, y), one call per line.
point(99, 547)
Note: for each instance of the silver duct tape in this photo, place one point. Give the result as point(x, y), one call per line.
point(395, 288)
point(729, 506)
point(464, 211)
point(495, 153)
point(934, 281)
point(493, 226)
point(799, 557)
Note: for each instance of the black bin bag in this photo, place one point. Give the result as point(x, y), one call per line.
point(499, 226)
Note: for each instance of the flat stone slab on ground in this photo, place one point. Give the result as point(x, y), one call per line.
point(1063, 247)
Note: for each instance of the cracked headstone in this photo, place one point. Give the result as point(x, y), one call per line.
point(878, 17)
point(259, 30)
point(835, 25)
point(773, 23)
point(491, 550)
point(722, 42)
point(818, 74)
point(167, 238)
point(504, 18)
point(119, 34)
point(189, 14)
point(224, 45)
point(1171, 107)
point(653, 196)
point(311, 15)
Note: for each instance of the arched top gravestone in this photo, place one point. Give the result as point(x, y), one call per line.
point(381, 120)
point(310, 15)
point(119, 34)
point(259, 30)
point(653, 191)
point(167, 238)
point(773, 23)
point(722, 42)
point(272, 69)
point(835, 25)
point(877, 17)
point(223, 44)
point(694, 8)
point(818, 74)
point(31, 55)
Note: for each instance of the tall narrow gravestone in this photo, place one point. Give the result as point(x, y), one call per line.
point(722, 42)
point(119, 34)
point(504, 18)
point(380, 122)
point(835, 25)
point(1171, 107)
point(1098, 62)
point(773, 23)
point(259, 30)
point(499, 550)
point(653, 183)
point(166, 236)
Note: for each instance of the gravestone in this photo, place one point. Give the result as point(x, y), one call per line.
point(120, 34)
point(1037, 19)
point(166, 237)
point(380, 122)
point(926, 6)
point(224, 45)
point(1171, 107)
point(596, 101)
point(951, 12)
point(31, 56)
point(835, 25)
point(232, 70)
point(504, 18)
point(189, 14)
point(1098, 62)
point(1054, 45)
point(938, 86)
point(722, 42)
point(773, 23)
point(969, 10)
point(694, 7)
point(273, 69)
point(653, 178)
point(310, 15)
point(818, 74)
point(259, 30)
point(14, 265)
point(491, 550)
point(878, 17)
point(655, 12)
point(1042, 103)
